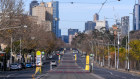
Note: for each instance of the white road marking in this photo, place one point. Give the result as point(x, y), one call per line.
point(10, 75)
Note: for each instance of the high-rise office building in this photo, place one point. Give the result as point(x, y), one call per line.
point(96, 17)
point(55, 5)
point(42, 12)
point(33, 4)
point(71, 34)
point(102, 24)
point(90, 26)
point(65, 38)
point(59, 33)
point(72, 31)
point(124, 25)
point(44, 15)
point(136, 16)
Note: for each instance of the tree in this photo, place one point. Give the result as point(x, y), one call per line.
point(135, 53)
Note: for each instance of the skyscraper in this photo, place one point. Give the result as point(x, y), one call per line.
point(136, 17)
point(89, 26)
point(32, 4)
point(72, 31)
point(124, 25)
point(59, 33)
point(44, 15)
point(65, 38)
point(96, 17)
point(102, 24)
point(55, 5)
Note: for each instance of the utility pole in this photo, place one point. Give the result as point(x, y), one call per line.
point(20, 50)
point(96, 52)
point(126, 55)
point(11, 50)
point(118, 51)
point(128, 47)
point(108, 56)
point(103, 56)
point(115, 52)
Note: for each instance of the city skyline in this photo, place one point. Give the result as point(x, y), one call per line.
point(84, 11)
point(100, 39)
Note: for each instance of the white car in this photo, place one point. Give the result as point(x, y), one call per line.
point(83, 56)
point(53, 63)
point(15, 66)
point(50, 56)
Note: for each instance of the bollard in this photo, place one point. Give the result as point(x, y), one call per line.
point(75, 57)
point(87, 63)
point(92, 67)
point(50, 66)
point(59, 58)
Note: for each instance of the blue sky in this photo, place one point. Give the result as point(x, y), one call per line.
point(75, 15)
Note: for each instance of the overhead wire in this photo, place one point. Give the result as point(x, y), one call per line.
point(87, 3)
point(72, 21)
point(102, 6)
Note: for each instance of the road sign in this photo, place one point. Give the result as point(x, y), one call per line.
point(38, 58)
point(38, 63)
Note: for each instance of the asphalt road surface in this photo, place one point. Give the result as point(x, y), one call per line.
point(107, 73)
point(25, 73)
point(69, 69)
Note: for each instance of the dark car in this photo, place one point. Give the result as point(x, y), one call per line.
point(23, 65)
point(33, 64)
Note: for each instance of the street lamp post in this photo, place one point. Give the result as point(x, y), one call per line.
point(21, 59)
point(33, 38)
point(115, 52)
point(128, 67)
point(113, 30)
point(116, 58)
point(11, 50)
point(108, 56)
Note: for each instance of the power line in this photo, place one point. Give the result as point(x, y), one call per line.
point(72, 21)
point(87, 2)
point(80, 3)
point(102, 6)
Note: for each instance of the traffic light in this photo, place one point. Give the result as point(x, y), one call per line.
point(119, 0)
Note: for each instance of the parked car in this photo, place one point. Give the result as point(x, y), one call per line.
point(83, 56)
point(53, 63)
point(33, 64)
point(50, 56)
point(28, 65)
point(75, 51)
point(15, 66)
point(23, 65)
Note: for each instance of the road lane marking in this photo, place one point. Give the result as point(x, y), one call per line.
point(10, 75)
